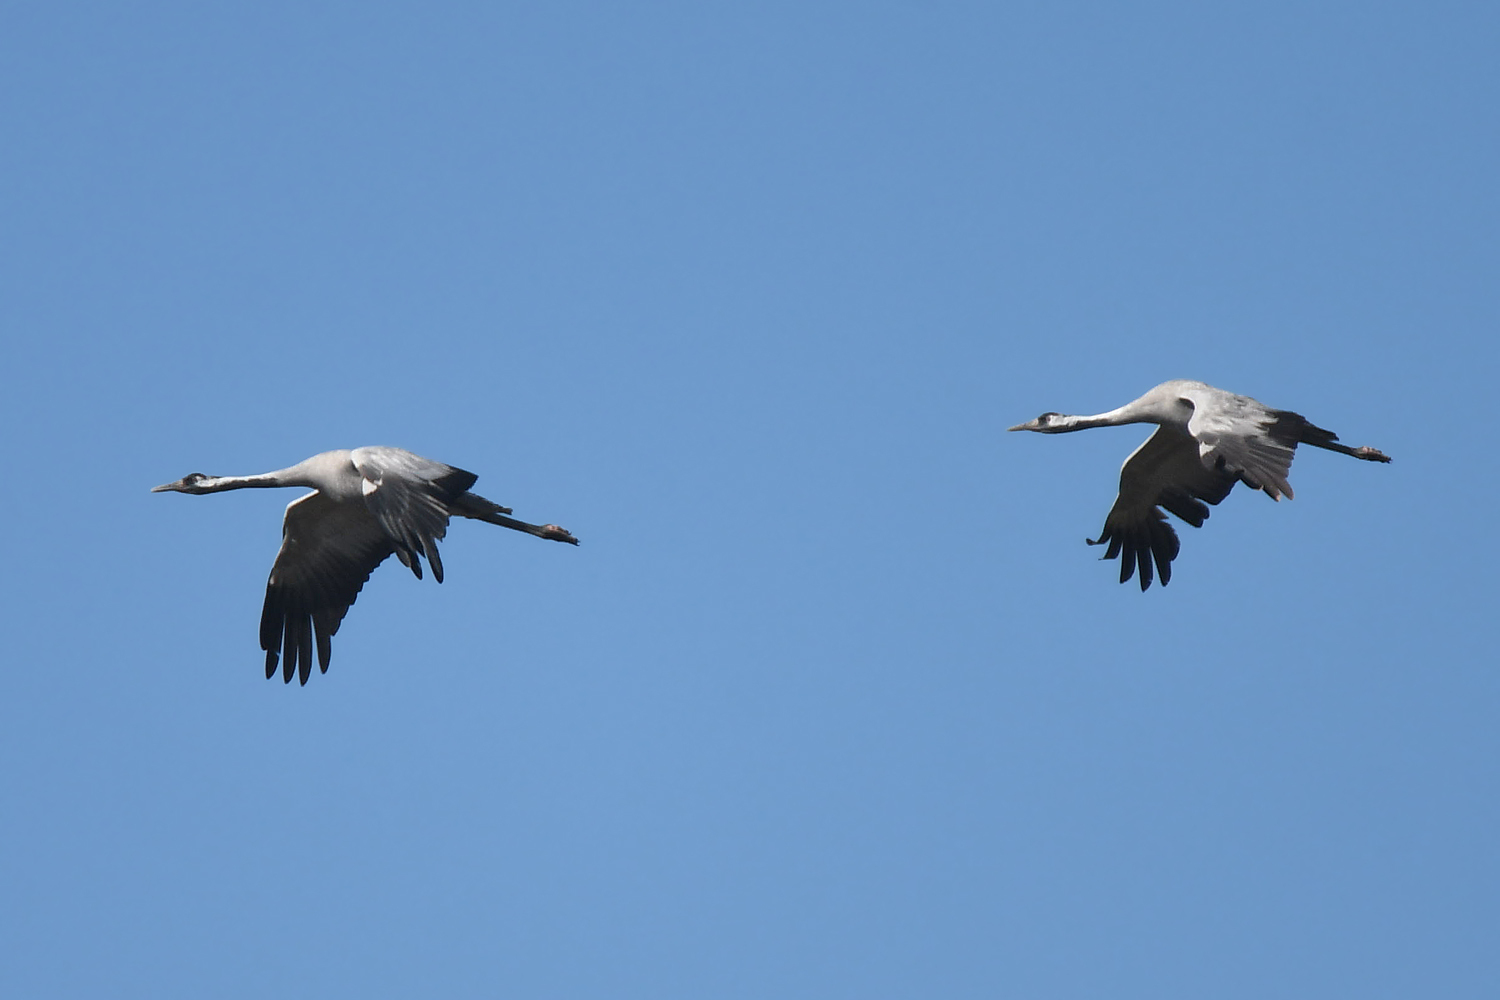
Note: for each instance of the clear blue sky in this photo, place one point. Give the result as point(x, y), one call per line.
point(832, 701)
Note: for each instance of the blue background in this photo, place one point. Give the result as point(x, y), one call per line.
point(832, 701)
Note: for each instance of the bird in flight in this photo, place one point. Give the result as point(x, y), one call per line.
point(367, 503)
point(1206, 440)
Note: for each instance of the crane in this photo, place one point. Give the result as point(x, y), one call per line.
point(367, 504)
point(1206, 440)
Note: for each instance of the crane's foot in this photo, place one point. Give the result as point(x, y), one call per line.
point(557, 534)
point(1371, 455)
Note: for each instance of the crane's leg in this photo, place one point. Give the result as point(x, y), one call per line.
point(1320, 438)
point(477, 507)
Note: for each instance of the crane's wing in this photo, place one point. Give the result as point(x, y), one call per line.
point(1245, 438)
point(1165, 471)
point(410, 497)
point(328, 551)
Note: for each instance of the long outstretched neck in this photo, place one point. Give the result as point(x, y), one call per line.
point(1114, 418)
point(217, 484)
point(198, 483)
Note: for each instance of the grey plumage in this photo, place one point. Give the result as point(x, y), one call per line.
point(1206, 441)
point(368, 503)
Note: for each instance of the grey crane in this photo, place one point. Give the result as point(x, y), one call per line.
point(1206, 441)
point(367, 504)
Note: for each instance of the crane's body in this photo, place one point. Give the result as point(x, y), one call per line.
point(368, 503)
point(1206, 440)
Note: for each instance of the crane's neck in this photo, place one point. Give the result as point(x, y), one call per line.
point(1127, 414)
point(284, 477)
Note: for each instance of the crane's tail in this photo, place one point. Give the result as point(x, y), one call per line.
point(475, 506)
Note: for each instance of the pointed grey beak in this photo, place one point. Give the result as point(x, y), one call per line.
point(1029, 425)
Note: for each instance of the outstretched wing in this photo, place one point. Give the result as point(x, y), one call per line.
point(410, 497)
point(1246, 439)
point(1166, 472)
point(328, 551)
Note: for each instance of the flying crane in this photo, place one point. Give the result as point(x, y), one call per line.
point(368, 503)
point(1206, 441)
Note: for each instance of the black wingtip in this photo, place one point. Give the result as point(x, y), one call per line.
point(325, 646)
point(1145, 550)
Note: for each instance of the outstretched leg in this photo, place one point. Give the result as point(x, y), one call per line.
point(477, 507)
point(1319, 438)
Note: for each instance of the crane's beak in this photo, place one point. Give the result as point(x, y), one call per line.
point(1029, 425)
point(183, 485)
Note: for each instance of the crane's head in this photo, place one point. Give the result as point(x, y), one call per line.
point(193, 482)
point(1047, 423)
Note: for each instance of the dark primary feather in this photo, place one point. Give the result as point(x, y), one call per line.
point(328, 551)
point(1137, 543)
point(1165, 471)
